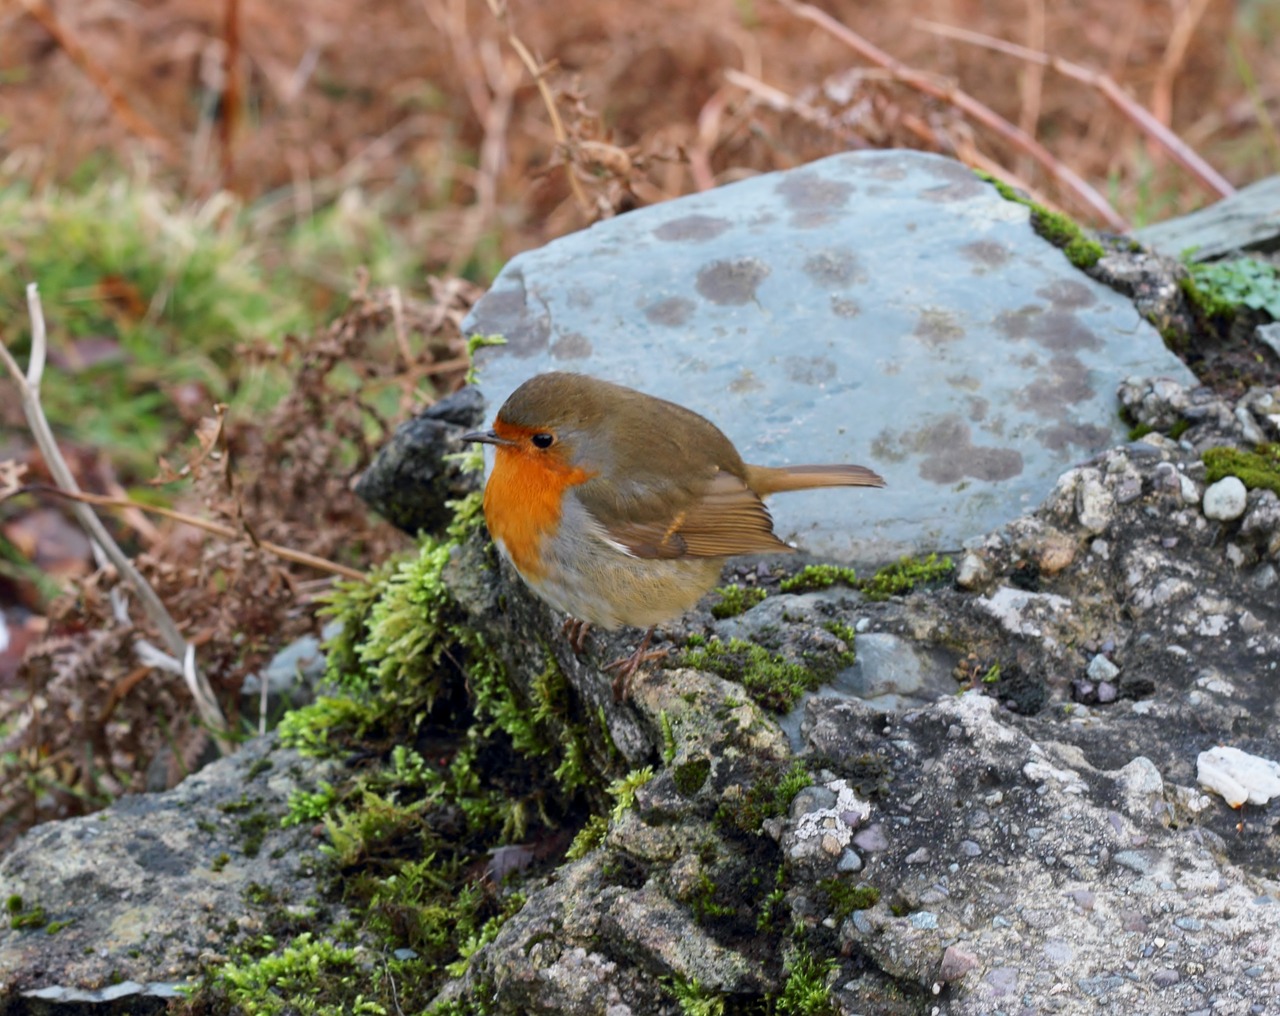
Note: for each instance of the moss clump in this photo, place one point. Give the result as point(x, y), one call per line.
point(1058, 229)
point(819, 576)
point(773, 682)
point(1258, 469)
point(703, 900)
point(805, 992)
point(22, 916)
point(903, 576)
point(300, 978)
point(589, 837)
point(448, 763)
point(1221, 288)
point(769, 796)
point(693, 998)
point(623, 791)
point(845, 898)
point(690, 776)
point(735, 600)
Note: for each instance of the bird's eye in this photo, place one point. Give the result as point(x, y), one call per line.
point(543, 440)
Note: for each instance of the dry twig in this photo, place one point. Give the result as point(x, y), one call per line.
point(539, 73)
point(133, 121)
point(967, 104)
point(1142, 118)
point(29, 390)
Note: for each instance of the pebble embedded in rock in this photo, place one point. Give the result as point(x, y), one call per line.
point(1102, 669)
point(1238, 776)
point(1225, 500)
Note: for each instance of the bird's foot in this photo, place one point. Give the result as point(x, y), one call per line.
point(576, 632)
point(628, 665)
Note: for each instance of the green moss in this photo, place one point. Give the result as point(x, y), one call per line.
point(845, 898)
point(259, 766)
point(1058, 229)
point(903, 576)
point(253, 830)
point(693, 998)
point(1140, 430)
point(22, 916)
point(53, 927)
point(805, 991)
point(769, 796)
point(770, 680)
point(588, 838)
point(1221, 288)
point(299, 979)
point(703, 900)
point(476, 342)
point(735, 600)
point(220, 862)
point(1179, 428)
point(690, 776)
point(623, 791)
point(668, 737)
point(1258, 469)
point(306, 807)
point(819, 576)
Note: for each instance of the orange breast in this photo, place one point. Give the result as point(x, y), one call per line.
point(522, 503)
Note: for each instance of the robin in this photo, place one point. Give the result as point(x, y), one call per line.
point(620, 508)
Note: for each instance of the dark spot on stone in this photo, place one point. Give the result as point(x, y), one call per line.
point(812, 198)
point(966, 381)
point(1086, 436)
point(947, 169)
point(506, 312)
point(1065, 383)
point(695, 228)
point(986, 253)
point(831, 268)
point(1054, 329)
point(1068, 294)
point(732, 282)
point(809, 370)
point(937, 327)
point(152, 855)
point(746, 381)
point(951, 455)
point(960, 190)
point(845, 308)
point(572, 346)
point(946, 443)
point(581, 298)
point(978, 408)
point(883, 166)
point(673, 311)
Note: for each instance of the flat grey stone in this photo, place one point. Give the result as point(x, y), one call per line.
point(1248, 219)
point(884, 308)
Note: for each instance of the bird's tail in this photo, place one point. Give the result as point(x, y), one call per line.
point(765, 480)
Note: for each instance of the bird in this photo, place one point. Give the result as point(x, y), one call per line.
point(620, 508)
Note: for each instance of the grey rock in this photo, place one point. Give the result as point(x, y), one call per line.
point(892, 673)
point(920, 361)
point(413, 477)
point(1246, 220)
point(134, 879)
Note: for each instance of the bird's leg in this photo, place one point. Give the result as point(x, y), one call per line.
point(628, 665)
point(576, 632)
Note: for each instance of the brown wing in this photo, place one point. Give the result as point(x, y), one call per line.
point(726, 518)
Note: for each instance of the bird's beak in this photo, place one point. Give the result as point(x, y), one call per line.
point(486, 437)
